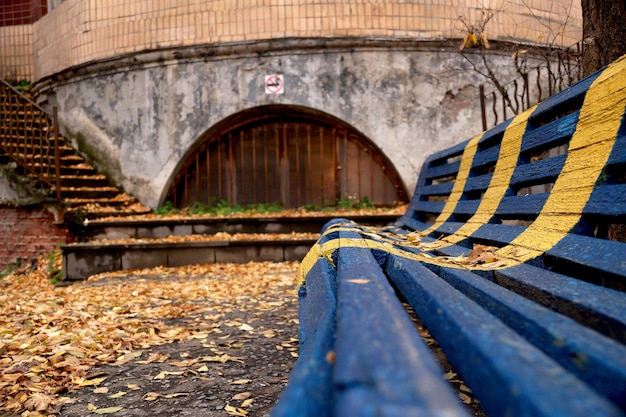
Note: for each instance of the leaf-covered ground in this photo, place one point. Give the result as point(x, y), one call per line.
point(212, 340)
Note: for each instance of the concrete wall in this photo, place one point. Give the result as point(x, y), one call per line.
point(137, 121)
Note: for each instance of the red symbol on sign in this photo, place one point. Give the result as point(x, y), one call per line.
point(274, 84)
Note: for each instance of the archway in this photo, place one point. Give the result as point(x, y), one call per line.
point(287, 155)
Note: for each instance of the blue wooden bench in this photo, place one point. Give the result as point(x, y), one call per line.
point(521, 289)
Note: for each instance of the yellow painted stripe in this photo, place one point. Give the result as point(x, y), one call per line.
point(589, 150)
point(459, 184)
point(505, 166)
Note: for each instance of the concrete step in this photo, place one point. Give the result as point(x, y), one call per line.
point(81, 260)
point(155, 228)
point(120, 244)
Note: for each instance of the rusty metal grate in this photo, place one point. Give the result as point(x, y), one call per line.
point(29, 136)
point(294, 161)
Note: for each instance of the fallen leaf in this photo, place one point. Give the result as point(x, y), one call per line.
point(220, 358)
point(247, 403)
point(108, 410)
point(163, 374)
point(465, 388)
point(151, 396)
point(242, 396)
point(53, 336)
point(233, 411)
point(465, 398)
point(241, 382)
point(358, 281)
point(89, 382)
point(127, 357)
point(449, 375)
point(118, 394)
point(38, 401)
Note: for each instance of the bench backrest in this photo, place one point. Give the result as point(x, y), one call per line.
point(548, 185)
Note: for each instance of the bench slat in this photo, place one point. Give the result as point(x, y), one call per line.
point(598, 360)
point(392, 372)
point(596, 258)
point(486, 157)
point(442, 171)
point(310, 388)
point(507, 374)
point(544, 137)
point(570, 98)
point(539, 172)
point(599, 308)
point(435, 189)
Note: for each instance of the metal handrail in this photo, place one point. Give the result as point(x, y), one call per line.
point(26, 136)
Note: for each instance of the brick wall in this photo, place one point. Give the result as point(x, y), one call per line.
point(27, 232)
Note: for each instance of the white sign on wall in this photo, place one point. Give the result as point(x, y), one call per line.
point(274, 84)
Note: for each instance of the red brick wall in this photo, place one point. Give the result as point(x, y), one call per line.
point(21, 12)
point(27, 232)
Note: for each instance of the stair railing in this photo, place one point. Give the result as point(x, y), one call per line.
point(29, 136)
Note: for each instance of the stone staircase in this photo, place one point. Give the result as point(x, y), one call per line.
point(28, 140)
point(116, 232)
point(125, 244)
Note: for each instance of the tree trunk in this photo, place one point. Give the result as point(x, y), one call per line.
point(604, 32)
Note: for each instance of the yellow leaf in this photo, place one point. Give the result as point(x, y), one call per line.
point(203, 369)
point(38, 401)
point(101, 390)
point(118, 394)
point(485, 41)
point(108, 410)
point(241, 382)
point(242, 396)
point(133, 386)
point(151, 396)
point(163, 374)
point(247, 403)
point(465, 43)
point(221, 358)
point(126, 357)
point(89, 382)
point(91, 407)
point(465, 398)
point(465, 388)
point(449, 375)
point(235, 411)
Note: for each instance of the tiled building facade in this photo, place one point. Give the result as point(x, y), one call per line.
point(81, 31)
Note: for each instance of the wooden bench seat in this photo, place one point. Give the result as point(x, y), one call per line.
point(504, 256)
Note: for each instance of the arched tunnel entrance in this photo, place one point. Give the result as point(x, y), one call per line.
point(286, 155)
